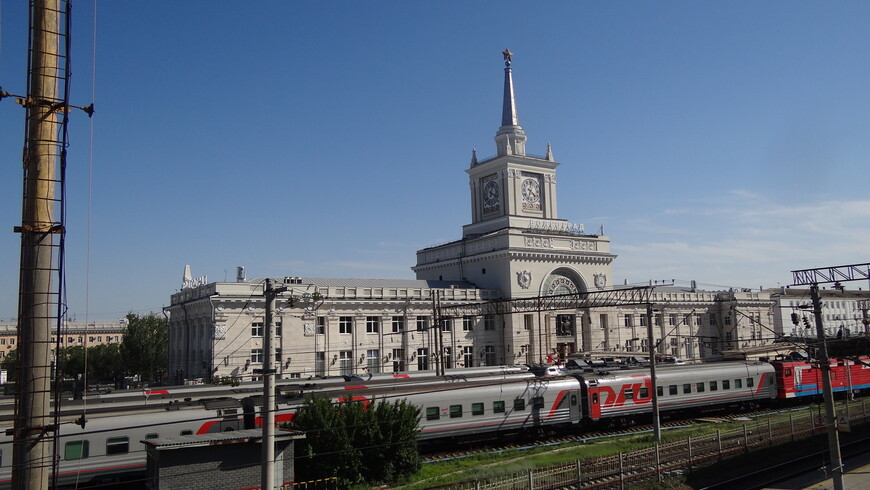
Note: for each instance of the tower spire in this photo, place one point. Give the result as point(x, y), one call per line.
point(509, 107)
point(510, 138)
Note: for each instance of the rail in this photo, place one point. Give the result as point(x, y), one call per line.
point(655, 463)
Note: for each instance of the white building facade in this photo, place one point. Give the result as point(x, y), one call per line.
point(516, 246)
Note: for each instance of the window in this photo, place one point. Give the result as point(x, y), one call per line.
point(697, 319)
point(489, 322)
point(528, 321)
point(477, 409)
point(152, 435)
point(727, 320)
point(320, 363)
point(519, 404)
point(498, 406)
point(422, 323)
point(672, 389)
point(700, 387)
point(345, 324)
point(660, 390)
point(321, 325)
point(76, 450)
point(278, 330)
point(738, 383)
point(726, 384)
point(278, 355)
point(257, 329)
point(672, 319)
point(467, 323)
point(398, 324)
point(659, 320)
point(433, 413)
point(468, 356)
point(398, 360)
point(447, 325)
point(687, 388)
point(373, 324)
point(643, 393)
point(750, 382)
point(538, 402)
point(373, 360)
point(448, 357)
point(187, 432)
point(256, 356)
point(564, 324)
point(345, 363)
point(629, 321)
point(117, 445)
point(714, 385)
point(455, 411)
point(422, 359)
point(629, 394)
point(489, 355)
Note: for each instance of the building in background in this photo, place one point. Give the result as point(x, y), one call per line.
point(515, 247)
point(84, 334)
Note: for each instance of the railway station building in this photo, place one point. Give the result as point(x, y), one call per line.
point(515, 247)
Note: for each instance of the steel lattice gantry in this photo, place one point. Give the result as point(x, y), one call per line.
point(592, 299)
point(807, 277)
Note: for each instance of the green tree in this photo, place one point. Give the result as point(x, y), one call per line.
point(358, 442)
point(144, 349)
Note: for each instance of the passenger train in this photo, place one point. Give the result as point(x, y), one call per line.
point(452, 408)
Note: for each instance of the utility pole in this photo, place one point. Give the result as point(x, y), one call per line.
point(812, 278)
point(267, 475)
point(657, 426)
point(39, 297)
point(828, 393)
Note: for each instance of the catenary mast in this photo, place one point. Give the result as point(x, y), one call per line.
point(42, 231)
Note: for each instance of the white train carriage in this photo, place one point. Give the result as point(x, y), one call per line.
point(629, 393)
point(498, 407)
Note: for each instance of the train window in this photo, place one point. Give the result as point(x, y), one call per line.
point(644, 393)
point(750, 382)
point(573, 400)
point(660, 390)
point(672, 389)
point(700, 387)
point(629, 394)
point(788, 371)
point(595, 398)
point(519, 404)
point(477, 409)
point(117, 445)
point(738, 383)
point(687, 388)
point(152, 435)
point(76, 450)
point(433, 413)
point(455, 411)
point(187, 432)
point(498, 406)
point(538, 402)
point(714, 385)
point(726, 384)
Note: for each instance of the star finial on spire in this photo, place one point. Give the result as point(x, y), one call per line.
point(507, 56)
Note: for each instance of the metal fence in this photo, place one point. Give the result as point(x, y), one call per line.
point(675, 458)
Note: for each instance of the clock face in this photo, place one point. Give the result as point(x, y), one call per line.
point(490, 193)
point(531, 191)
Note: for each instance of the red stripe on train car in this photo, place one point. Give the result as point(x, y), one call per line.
point(358, 387)
point(156, 392)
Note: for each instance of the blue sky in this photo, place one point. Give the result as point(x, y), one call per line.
point(725, 142)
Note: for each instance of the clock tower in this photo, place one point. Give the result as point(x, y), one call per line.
point(516, 242)
point(511, 188)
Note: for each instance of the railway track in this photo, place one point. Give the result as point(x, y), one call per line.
point(598, 435)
